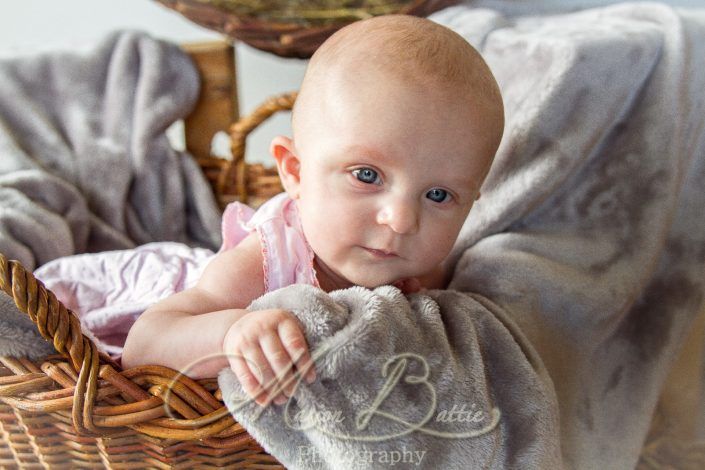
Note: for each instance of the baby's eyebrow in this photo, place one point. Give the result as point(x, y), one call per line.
point(469, 184)
point(372, 153)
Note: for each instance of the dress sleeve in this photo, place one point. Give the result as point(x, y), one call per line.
point(235, 225)
point(288, 259)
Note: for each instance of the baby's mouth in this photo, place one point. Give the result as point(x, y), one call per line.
point(381, 253)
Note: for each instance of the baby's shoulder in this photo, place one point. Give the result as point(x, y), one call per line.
point(236, 275)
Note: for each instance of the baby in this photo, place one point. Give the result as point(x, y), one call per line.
point(394, 130)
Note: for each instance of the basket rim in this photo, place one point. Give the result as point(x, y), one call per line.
point(132, 398)
point(399, 7)
point(283, 38)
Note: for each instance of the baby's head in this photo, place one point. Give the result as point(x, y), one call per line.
point(394, 130)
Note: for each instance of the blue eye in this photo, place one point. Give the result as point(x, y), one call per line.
point(366, 175)
point(438, 195)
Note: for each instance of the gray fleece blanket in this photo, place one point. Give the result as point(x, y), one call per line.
point(85, 164)
point(441, 380)
point(589, 236)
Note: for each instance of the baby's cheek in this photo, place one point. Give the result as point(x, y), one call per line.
point(437, 247)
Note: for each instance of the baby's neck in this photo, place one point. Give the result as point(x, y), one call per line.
point(328, 280)
point(436, 279)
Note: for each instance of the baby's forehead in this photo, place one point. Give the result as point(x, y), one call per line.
point(400, 108)
point(400, 61)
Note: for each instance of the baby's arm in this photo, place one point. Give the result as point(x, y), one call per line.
point(192, 324)
point(208, 321)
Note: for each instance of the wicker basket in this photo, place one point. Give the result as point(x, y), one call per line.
point(78, 408)
point(237, 180)
point(291, 29)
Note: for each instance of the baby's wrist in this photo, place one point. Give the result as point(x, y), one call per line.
point(238, 314)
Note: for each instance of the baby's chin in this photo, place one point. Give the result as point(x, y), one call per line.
point(368, 276)
point(373, 282)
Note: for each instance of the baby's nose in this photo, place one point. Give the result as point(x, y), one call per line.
point(400, 215)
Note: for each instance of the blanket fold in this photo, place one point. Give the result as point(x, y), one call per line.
point(84, 154)
point(590, 231)
point(408, 383)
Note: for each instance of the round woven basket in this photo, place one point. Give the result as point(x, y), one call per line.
point(237, 180)
point(292, 28)
point(79, 408)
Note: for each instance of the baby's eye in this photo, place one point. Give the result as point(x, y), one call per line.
point(438, 195)
point(366, 175)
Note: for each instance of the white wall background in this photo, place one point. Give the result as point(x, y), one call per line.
point(30, 26)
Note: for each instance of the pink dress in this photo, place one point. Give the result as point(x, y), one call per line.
point(109, 290)
point(288, 258)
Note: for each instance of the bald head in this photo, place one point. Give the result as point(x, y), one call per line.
point(395, 127)
point(411, 48)
point(410, 51)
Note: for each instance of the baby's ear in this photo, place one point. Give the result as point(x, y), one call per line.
point(288, 164)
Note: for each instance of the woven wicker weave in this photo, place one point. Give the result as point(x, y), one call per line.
point(286, 30)
point(79, 409)
point(237, 180)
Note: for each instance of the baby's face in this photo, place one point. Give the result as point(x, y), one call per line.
point(387, 178)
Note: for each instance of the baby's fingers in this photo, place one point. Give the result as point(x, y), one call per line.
point(281, 364)
point(253, 372)
point(295, 344)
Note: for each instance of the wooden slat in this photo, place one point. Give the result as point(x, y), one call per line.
point(217, 106)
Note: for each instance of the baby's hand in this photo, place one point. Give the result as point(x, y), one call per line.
point(264, 344)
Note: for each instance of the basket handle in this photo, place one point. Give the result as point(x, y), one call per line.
point(60, 325)
point(239, 132)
